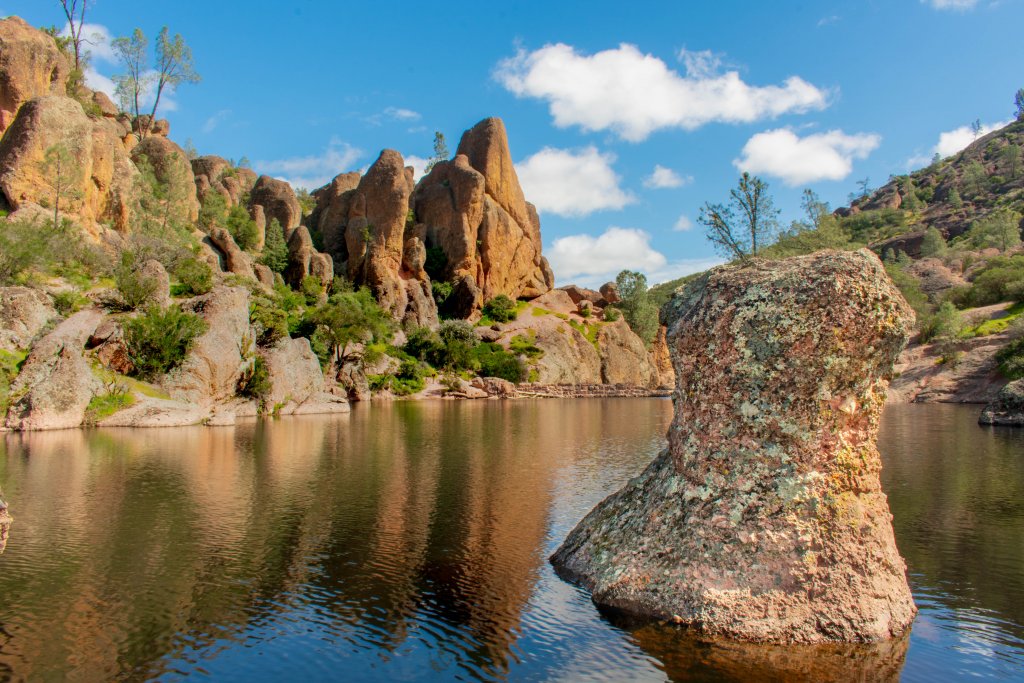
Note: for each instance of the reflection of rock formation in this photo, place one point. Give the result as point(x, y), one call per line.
point(765, 519)
point(5, 525)
point(686, 658)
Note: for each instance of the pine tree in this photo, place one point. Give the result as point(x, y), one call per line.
point(933, 243)
point(275, 251)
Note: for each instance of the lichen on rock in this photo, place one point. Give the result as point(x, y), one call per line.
point(764, 520)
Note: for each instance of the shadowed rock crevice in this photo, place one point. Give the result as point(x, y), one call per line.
point(764, 520)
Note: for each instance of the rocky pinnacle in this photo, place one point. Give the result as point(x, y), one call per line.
point(764, 520)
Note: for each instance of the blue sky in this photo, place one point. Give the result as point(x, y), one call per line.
point(624, 118)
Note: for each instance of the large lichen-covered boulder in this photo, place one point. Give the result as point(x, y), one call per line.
point(217, 174)
point(56, 383)
point(31, 65)
point(1008, 407)
point(474, 210)
point(764, 519)
point(24, 312)
point(214, 365)
point(102, 174)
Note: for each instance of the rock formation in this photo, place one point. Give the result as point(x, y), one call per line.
point(102, 173)
point(473, 210)
point(56, 383)
point(170, 165)
point(764, 519)
point(277, 200)
point(23, 313)
point(366, 230)
point(1008, 407)
point(31, 66)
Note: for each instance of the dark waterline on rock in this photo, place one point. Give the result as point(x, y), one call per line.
point(410, 542)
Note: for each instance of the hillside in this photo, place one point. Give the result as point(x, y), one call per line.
point(145, 285)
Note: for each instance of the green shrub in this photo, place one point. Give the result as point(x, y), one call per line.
point(134, 288)
point(10, 366)
point(242, 228)
point(611, 314)
point(424, 344)
point(255, 381)
point(269, 320)
point(441, 291)
point(159, 339)
point(115, 398)
point(501, 309)
point(522, 345)
point(945, 325)
point(1011, 359)
point(69, 301)
point(494, 361)
point(195, 277)
point(1002, 279)
point(311, 289)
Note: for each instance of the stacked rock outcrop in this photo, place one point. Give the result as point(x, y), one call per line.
point(764, 519)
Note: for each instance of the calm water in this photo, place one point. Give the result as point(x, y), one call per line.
point(409, 542)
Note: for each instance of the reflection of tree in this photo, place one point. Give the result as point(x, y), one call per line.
point(414, 525)
point(956, 491)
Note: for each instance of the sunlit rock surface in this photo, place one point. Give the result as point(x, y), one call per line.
point(764, 520)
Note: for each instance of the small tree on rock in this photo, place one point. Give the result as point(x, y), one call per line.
point(640, 312)
point(275, 251)
point(173, 67)
point(933, 243)
point(61, 173)
point(440, 151)
point(130, 86)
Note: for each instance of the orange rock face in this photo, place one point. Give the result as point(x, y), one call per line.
point(764, 519)
point(31, 66)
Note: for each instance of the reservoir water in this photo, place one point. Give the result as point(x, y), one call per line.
point(410, 542)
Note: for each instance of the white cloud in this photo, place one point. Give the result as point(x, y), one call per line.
point(952, 141)
point(831, 19)
point(572, 183)
point(820, 156)
point(211, 123)
point(96, 40)
point(662, 178)
point(591, 261)
point(604, 256)
point(683, 224)
point(634, 94)
point(314, 171)
point(956, 5)
point(400, 114)
point(97, 81)
point(700, 63)
point(419, 165)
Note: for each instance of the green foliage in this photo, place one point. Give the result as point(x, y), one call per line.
point(28, 246)
point(975, 180)
point(69, 301)
point(1002, 279)
point(349, 317)
point(242, 228)
point(457, 342)
point(60, 173)
point(1010, 160)
point(910, 287)
point(133, 287)
point(255, 381)
point(116, 396)
point(213, 211)
point(954, 200)
point(945, 324)
point(195, 277)
point(269, 320)
point(22, 248)
point(611, 314)
point(162, 199)
point(1011, 359)
point(933, 243)
point(159, 339)
point(1014, 315)
point(908, 193)
point(307, 202)
point(436, 263)
point(10, 366)
point(866, 227)
point(408, 379)
point(1000, 229)
point(523, 346)
point(275, 250)
point(441, 291)
point(440, 151)
point(501, 309)
point(640, 312)
point(494, 361)
point(818, 230)
point(745, 224)
point(311, 289)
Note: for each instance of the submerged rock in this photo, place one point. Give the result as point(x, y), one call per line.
point(764, 520)
point(1008, 407)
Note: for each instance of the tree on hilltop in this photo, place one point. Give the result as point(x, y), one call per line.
point(173, 66)
point(74, 10)
point(746, 223)
point(440, 151)
point(1018, 101)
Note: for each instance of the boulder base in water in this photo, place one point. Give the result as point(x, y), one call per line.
point(764, 520)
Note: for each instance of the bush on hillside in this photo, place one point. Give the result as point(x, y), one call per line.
point(195, 277)
point(500, 309)
point(159, 339)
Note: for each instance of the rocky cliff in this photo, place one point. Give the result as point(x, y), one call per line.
point(764, 519)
